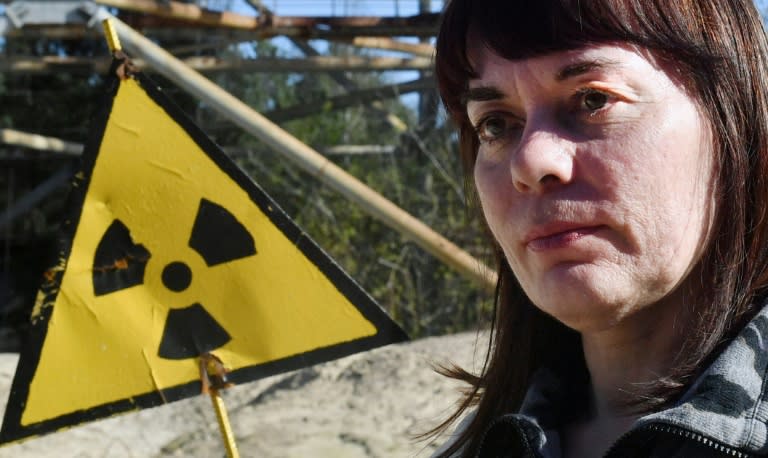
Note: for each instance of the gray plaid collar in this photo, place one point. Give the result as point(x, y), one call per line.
point(728, 401)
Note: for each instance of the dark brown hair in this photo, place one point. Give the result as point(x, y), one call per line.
point(720, 48)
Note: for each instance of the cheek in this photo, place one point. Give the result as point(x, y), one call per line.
point(495, 196)
point(667, 196)
point(487, 191)
point(492, 204)
point(502, 208)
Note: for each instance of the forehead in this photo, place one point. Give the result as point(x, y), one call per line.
point(614, 59)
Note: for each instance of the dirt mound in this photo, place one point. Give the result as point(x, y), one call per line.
point(365, 405)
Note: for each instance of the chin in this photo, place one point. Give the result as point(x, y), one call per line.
point(585, 318)
point(583, 309)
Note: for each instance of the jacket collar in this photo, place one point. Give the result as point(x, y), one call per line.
point(727, 402)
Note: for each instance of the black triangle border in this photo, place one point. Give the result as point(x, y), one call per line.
point(388, 331)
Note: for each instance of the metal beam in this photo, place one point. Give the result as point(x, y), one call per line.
point(187, 12)
point(49, 64)
point(355, 150)
point(40, 142)
point(351, 99)
point(419, 49)
point(173, 30)
point(298, 27)
point(58, 146)
point(264, 25)
point(171, 19)
point(315, 63)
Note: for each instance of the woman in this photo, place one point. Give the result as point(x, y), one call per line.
point(619, 153)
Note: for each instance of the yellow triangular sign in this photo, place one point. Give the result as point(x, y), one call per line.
point(174, 252)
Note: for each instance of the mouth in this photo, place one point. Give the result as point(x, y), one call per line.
point(558, 236)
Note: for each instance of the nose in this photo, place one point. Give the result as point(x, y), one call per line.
point(543, 161)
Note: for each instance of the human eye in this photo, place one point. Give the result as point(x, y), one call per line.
point(497, 126)
point(590, 100)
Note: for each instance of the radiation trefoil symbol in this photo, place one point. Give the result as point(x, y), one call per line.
point(216, 236)
point(159, 266)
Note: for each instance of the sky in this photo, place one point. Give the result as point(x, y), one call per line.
point(339, 7)
point(326, 7)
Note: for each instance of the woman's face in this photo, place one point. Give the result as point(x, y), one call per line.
point(595, 174)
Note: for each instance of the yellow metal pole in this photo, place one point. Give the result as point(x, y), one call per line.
point(224, 425)
point(213, 377)
point(113, 41)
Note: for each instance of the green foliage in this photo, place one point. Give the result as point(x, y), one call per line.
point(422, 294)
point(423, 177)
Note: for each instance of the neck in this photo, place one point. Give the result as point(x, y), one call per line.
point(639, 350)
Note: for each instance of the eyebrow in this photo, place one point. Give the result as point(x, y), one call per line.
point(583, 67)
point(487, 93)
point(481, 94)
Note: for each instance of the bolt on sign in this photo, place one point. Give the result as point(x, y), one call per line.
point(172, 253)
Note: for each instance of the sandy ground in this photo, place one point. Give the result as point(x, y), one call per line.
point(366, 405)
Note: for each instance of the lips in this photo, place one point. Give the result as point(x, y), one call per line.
point(558, 235)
